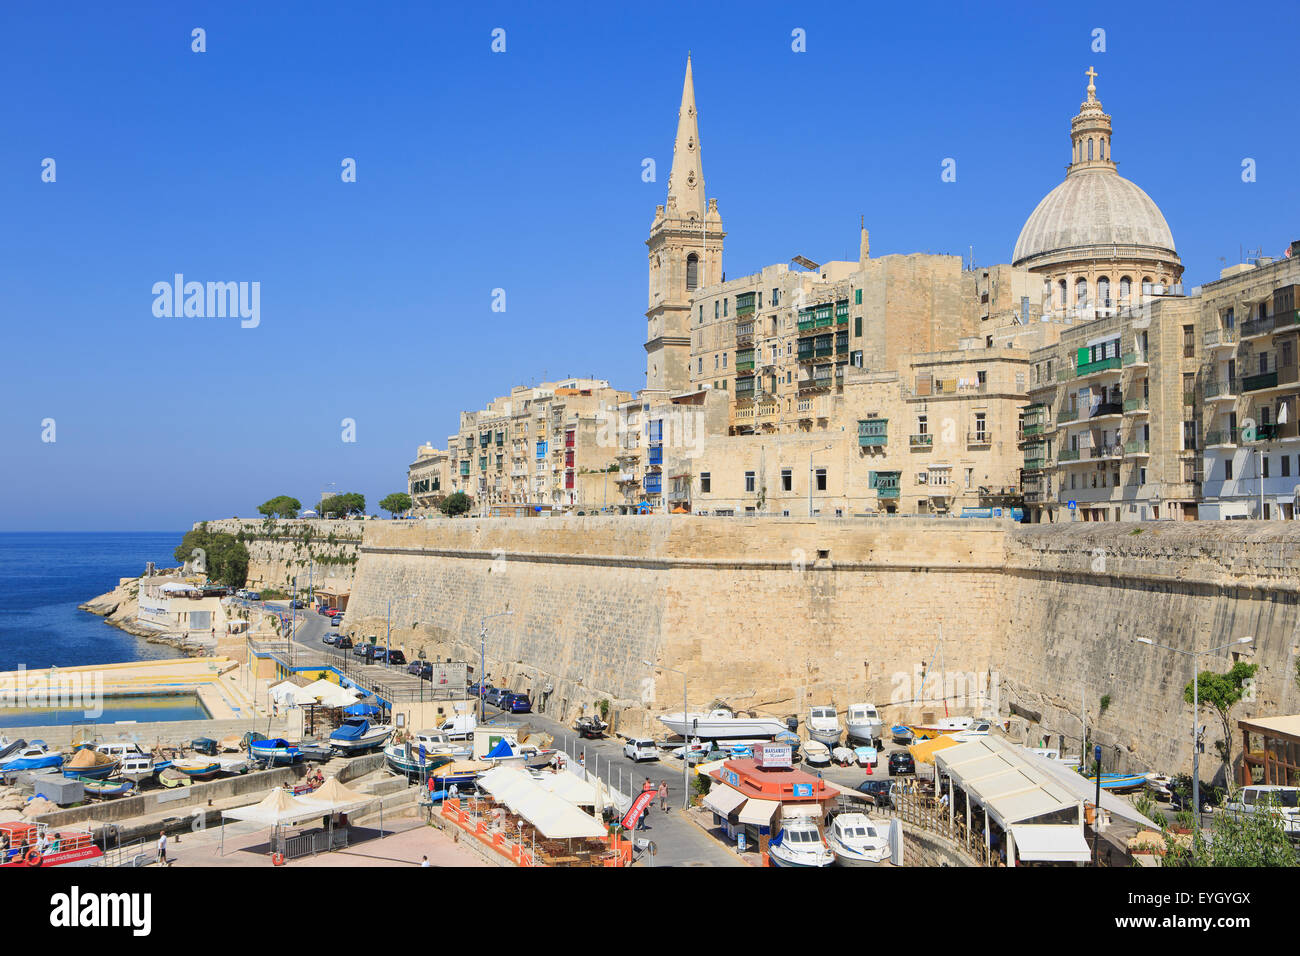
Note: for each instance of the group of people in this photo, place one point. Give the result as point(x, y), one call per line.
point(661, 792)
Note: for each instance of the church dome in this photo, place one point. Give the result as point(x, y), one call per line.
point(1093, 207)
point(1096, 213)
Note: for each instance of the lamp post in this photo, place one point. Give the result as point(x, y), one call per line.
point(810, 475)
point(1196, 705)
point(686, 739)
point(482, 656)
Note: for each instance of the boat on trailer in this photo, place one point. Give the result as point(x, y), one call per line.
point(405, 760)
point(799, 844)
point(89, 764)
point(357, 734)
point(856, 841)
point(824, 725)
point(274, 752)
point(863, 723)
point(722, 724)
point(30, 756)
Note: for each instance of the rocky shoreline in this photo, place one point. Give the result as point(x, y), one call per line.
point(119, 608)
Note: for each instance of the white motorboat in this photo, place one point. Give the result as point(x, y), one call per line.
point(856, 841)
point(722, 724)
point(356, 734)
point(800, 844)
point(866, 756)
point(864, 723)
point(817, 754)
point(132, 760)
point(824, 726)
point(437, 743)
point(1160, 785)
point(979, 728)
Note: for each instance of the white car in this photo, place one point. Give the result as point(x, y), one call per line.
point(640, 748)
point(1284, 800)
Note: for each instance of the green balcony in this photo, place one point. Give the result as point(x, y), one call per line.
point(1101, 365)
point(1133, 405)
point(1068, 454)
point(872, 432)
point(1034, 429)
point(1253, 383)
point(921, 441)
point(887, 493)
point(1067, 415)
point(1035, 464)
point(1137, 447)
point(807, 324)
point(745, 366)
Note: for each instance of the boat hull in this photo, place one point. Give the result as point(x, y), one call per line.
point(799, 862)
point(704, 727)
point(867, 732)
point(830, 738)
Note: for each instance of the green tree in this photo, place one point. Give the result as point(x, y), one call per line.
point(397, 503)
point(1236, 839)
point(225, 556)
point(281, 506)
point(1222, 692)
point(342, 506)
point(457, 504)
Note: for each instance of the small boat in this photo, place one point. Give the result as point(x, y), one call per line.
point(855, 840)
point(274, 752)
point(90, 764)
point(357, 734)
point(816, 753)
point(824, 726)
point(901, 733)
point(863, 723)
point(866, 756)
point(435, 742)
point(590, 727)
point(172, 778)
point(105, 789)
point(232, 763)
point(9, 747)
point(459, 773)
point(1161, 785)
point(843, 756)
point(692, 752)
point(405, 760)
point(799, 843)
point(791, 740)
point(195, 768)
point(722, 724)
point(945, 725)
point(30, 756)
point(739, 752)
point(535, 758)
point(133, 761)
point(979, 728)
point(1119, 782)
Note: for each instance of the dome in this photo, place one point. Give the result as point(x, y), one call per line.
point(1094, 207)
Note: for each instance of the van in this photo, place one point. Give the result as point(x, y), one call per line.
point(640, 748)
point(1285, 800)
point(460, 727)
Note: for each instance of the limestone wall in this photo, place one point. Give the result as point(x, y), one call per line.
point(322, 551)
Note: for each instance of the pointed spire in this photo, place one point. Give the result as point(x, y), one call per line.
point(686, 181)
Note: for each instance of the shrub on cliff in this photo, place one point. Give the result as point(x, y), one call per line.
point(225, 557)
point(281, 506)
point(397, 503)
point(457, 504)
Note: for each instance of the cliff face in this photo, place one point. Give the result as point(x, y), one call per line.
point(316, 552)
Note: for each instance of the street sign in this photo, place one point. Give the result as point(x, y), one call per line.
point(1071, 505)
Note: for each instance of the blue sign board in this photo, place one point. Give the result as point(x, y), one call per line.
point(803, 789)
point(1071, 505)
point(731, 777)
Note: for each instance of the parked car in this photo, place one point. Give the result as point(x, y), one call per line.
point(336, 620)
point(255, 595)
point(420, 669)
point(493, 695)
point(901, 762)
point(516, 704)
point(479, 690)
point(329, 638)
point(343, 643)
point(1254, 799)
point(876, 792)
point(362, 649)
point(297, 605)
point(322, 609)
point(460, 726)
point(640, 748)
point(396, 657)
point(332, 611)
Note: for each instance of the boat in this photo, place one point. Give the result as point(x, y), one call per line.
point(901, 733)
point(195, 768)
point(357, 734)
point(945, 725)
point(9, 747)
point(816, 753)
point(31, 756)
point(863, 723)
point(844, 756)
point(824, 725)
point(739, 751)
point(405, 760)
point(273, 751)
point(535, 758)
point(791, 740)
point(866, 756)
point(171, 778)
point(855, 840)
point(459, 773)
point(132, 761)
point(799, 843)
point(315, 751)
point(232, 763)
point(1119, 782)
point(90, 764)
point(692, 752)
point(34, 844)
point(722, 724)
point(1161, 785)
point(437, 742)
point(590, 727)
point(107, 788)
point(979, 728)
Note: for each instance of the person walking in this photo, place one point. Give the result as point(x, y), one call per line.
point(663, 795)
point(162, 849)
point(424, 861)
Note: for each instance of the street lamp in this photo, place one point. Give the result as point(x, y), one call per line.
point(686, 738)
point(810, 475)
point(1196, 704)
point(482, 656)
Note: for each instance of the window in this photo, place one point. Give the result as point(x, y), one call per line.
point(715, 361)
point(749, 481)
point(1286, 466)
point(1081, 292)
point(776, 298)
point(1263, 461)
point(821, 479)
point(1189, 341)
point(725, 302)
point(701, 322)
point(717, 306)
point(1189, 436)
point(857, 300)
point(724, 359)
point(981, 427)
point(692, 272)
point(706, 482)
point(700, 366)
point(1125, 289)
point(1142, 476)
point(857, 324)
point(787, 479)
point(1227, 469)
point(855, 358)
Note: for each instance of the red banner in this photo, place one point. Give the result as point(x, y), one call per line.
point(643, 800)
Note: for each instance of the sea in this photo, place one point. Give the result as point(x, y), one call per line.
point(45, 575)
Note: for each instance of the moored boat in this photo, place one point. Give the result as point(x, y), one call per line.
point(1119, 782)
point(105, 789)
point(863, 723)
point(88, 764)
point(722, 724)
point(405, 760)
point(133, 761)
point(275, 752)
point(799, 844)
point(824, 725)
point(196, 768)
point(357, 734)
point(31, 756)
point(856, 841)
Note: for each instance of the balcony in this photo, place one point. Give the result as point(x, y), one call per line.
point(744, 332)
point(1105, 451)
point(978, 439)
point(1220, 438)
point(920, 441)
point(872, 432)
point(1136, 406)
point(1139, 447)
point(655, 456)
point(1220, 391)
point(1036, 428)
point(747, 366)
point(1067, 415)
point(1035, 464)
point(1098, 367)
point(1135, 359)
point(1220, 338)
point(886, 494)
point(1068, 454)
point(1255, 383)
point(1105, 409)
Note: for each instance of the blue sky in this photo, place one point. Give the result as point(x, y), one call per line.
point(521, 171)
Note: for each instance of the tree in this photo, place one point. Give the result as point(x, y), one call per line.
point(457, 504)
point(396, 503)
point(281, 506)
point(1237, 839)
point(224, 556)
point(1222, 692)
point(342, 505)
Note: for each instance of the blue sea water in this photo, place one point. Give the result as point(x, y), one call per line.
point(45, 575)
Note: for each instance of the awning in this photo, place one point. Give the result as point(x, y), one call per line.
point(924, 751)
point(758, 812)
point(1061, 844)
point(723, 799)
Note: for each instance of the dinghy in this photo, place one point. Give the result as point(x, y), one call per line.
point(844, 756)
point(90, 764)
point(196, 768)
point(275, 752)
point(105, 789)
point(816, 753)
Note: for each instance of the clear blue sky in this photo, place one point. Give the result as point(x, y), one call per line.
point(521, 171)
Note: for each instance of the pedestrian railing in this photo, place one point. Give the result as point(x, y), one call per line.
point(924, 811)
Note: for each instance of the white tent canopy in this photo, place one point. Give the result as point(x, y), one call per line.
point(331, 694)
point(568, 787)
point(554, 817)
point(278, 808)
point(1038, 842)
point(1000, 777)
point(287, 692)
point(333, 797)
point(1086, 789)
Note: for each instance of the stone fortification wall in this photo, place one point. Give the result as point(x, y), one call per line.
point(322, 551)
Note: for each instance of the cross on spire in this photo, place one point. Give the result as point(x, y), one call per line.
point(1091, 74)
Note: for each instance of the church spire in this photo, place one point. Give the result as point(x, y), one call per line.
point(686, 181)
point(1090, 132)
